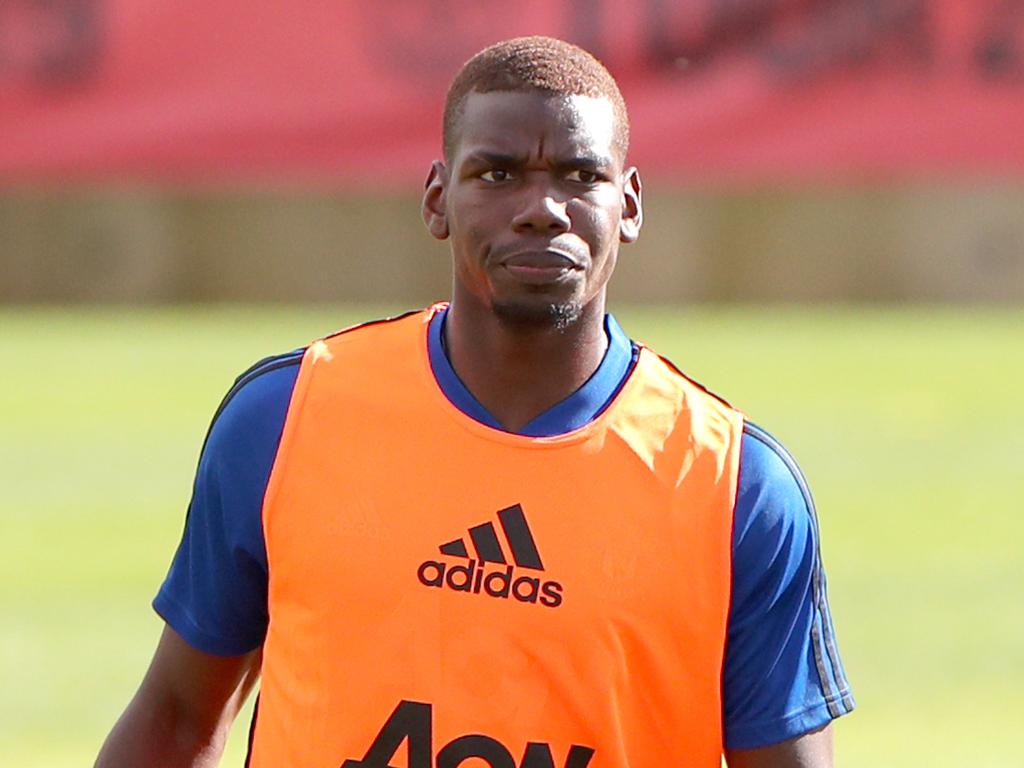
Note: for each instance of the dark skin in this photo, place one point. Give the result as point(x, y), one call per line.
point(183, 710)
point(535, 200)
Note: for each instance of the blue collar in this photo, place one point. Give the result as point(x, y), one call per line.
point(578, 409)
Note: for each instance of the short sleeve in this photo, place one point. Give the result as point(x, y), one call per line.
point(215, 593)
point(782, 675)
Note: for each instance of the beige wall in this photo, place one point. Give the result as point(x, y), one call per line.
point(146, 245)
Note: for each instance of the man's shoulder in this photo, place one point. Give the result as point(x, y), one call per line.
point(659, 366)
point(265, 388)
point(369, 331)
point(774, 511)
point(768, 468)
point(265, 380)
point(711, 419)
point(260, 394)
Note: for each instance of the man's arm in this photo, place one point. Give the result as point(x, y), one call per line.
point(180, 716)
point(782, 680)
point(812, 750)
point(214, 599)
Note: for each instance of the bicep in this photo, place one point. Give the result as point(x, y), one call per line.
point(181, 714)
point(811, 750)
point(209, 688)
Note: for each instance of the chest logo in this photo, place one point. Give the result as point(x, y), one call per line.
point(488, 571)
point(412, 722)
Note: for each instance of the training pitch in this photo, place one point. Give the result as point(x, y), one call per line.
point(908, 423)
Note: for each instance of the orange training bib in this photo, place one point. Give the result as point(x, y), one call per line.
point(446, 594)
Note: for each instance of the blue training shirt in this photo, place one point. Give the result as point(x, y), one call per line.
point(782, 674)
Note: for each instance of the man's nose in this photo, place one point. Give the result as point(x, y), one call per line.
point(542, 212)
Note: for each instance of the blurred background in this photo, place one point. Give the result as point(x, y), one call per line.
point(834, 241)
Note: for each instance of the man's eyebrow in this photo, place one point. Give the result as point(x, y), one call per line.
point(586, 161)
point(505, 160)
point(484, 157)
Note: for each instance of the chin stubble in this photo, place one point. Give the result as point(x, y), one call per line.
point(558, 317)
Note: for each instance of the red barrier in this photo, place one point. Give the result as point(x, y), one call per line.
point(744, 90)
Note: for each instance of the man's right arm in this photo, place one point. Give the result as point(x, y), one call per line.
point(181, 714)
point(214, 597)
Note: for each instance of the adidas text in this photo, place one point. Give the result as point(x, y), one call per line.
point(500, 583)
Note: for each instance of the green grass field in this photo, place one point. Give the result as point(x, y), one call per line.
point(908, 423)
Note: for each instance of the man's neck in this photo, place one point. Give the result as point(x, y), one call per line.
point(517, 373)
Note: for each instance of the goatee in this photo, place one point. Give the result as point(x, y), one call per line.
point(555, 316)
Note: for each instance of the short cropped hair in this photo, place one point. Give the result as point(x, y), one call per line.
point(534, 63)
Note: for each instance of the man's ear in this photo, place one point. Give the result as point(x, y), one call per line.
point(632, 206)
point(434, 208)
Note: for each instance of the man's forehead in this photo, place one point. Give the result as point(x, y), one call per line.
point(507, 119)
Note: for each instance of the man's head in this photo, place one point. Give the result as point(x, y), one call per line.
point(540, 64)
point(533, 192)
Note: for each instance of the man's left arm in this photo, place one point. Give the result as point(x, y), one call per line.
point(811, 750)
point(782, 682)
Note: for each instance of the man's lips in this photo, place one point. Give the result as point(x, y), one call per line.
point(541, 259)
point(539, 266)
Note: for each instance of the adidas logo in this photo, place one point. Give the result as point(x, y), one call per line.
point(502, 582)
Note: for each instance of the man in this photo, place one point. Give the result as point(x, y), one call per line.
point(496, 529)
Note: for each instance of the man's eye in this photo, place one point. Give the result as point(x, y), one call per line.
point(583, 176)
point(497, 174)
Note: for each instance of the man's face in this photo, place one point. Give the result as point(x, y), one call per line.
point(535, 201)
